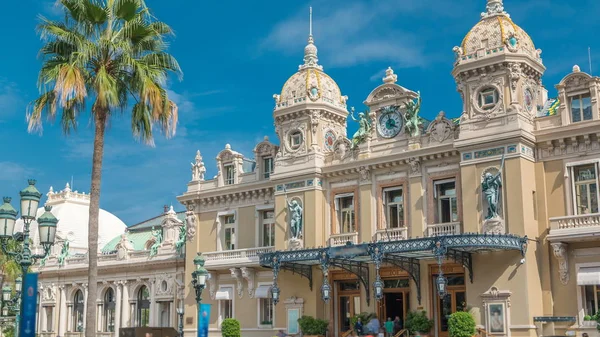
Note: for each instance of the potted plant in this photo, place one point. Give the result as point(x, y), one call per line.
point(461, 324)
point(418, 324)
point(311, 326)
point(231, 328)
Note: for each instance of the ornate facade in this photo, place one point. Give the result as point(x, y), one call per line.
point(501, 202)
point(140, 272)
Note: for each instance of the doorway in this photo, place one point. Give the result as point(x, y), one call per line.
point(348, 304)
point(454, 301)
point(396, 297)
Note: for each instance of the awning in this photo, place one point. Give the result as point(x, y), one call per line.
point(224, 294)
point(263, 291)
point(588, 276)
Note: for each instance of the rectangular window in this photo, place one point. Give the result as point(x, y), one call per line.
point(229, 174)
point(268, 228)
point(49, 311)
point(585, 184)
point(581, 108)
point(344, 206)
point(226, 307)
point(446, 201)
point(393, 203)
point(164, 310)
point(591, 296)
point(266, 311)
point(267, 167)
point(229, 232)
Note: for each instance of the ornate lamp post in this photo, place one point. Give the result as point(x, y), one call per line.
point(30, 199)
point(180, 316)
point(199, 282)
point(12, 303)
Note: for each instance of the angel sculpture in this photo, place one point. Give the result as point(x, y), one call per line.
point(412, 120)
point(364, 128)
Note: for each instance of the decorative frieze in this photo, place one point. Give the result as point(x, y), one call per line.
point(236, 273)
point(249, 275)
point(561, 253)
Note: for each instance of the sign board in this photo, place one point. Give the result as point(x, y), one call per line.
point(348, 251)
point(203, 320)
point(28, 306)
point(547, 319)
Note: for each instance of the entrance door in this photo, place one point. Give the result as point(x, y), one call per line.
point(454, 301)
point(348, 303)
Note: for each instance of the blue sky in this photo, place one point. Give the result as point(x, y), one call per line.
point(235, 55)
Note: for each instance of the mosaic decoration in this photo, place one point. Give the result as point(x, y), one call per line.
point(467, 156)
point(294, 185)
point(511, 149)
point(489, 153)
point(309, 182)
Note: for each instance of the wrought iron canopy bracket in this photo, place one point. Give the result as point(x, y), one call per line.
point(464, 258)
point(358, 268)
point(300, 269)
point(411, 266)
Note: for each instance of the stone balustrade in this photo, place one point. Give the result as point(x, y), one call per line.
point(391, 234)
point(450, 228)
point(342, 239)
point(236, 255)
point(575, 221)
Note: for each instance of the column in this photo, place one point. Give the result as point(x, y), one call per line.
point(85, 304)
point(118, 309)
point(42, 320)
point(100, 317)
point(62, 312)
point(153, 310)
point(69, 318)
point(126, 308)
point(40, 309)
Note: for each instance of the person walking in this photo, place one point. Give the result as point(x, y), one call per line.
point(389, 327)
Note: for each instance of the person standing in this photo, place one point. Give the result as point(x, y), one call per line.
point(389, 327)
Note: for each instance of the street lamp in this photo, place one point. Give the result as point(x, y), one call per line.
point(199, 283)
point(30, 199)
point(378, 287)
point(441, 283)
point(180, 315)
point(12, 303)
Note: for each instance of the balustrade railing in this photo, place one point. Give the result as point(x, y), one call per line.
point(236, 254)
point(450, 228)
point(342, 239)
point(391, 234)
point(575, 221)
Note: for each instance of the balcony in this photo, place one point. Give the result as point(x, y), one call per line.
point(442, 229)
point(341, 239)
point(232, 258)
point(575, 228)
point(391, 234)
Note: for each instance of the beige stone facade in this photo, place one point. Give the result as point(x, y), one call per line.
point(404, 185)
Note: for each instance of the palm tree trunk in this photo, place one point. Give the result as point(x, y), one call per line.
point(90, 326)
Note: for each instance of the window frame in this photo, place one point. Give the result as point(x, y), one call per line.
point(580, 290)
point(339, 212)
point(262, 223)
point(106, 309)
point(431, 216)
point(386, 206)
point(259, 308)
point(438, 200)
point(483, 94)
point(570, 174)
point(580, 96)
point(227, 180)
point(76, 306)
point(139, 309)
point(229, 226)
point(334, 220)
point(268, 166)
point(220, 318)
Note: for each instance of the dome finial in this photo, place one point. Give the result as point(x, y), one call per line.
point(494, 7)
point(310, 51)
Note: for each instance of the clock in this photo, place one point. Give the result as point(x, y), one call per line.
point(329, 140)
point(389, 123)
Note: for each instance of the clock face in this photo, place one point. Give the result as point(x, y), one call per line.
point(329, 140)
point(389, 124)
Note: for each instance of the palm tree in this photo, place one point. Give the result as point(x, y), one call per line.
point(106, 52)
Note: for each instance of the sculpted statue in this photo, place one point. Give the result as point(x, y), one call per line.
point(490, 186)
point(190, 224)
point(198, 169)
point(157, 234)
point(295, 211)
point(180, 244)
point(364, 129)
point(64, 253)
point(412, 120)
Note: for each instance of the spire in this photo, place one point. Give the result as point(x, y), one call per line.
point(310, 51)
point(494, 7)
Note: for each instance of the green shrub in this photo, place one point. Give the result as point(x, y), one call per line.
point(587, 318)
point(417, 321)
point(312, 326)
point(231, 328)
point(461, 324)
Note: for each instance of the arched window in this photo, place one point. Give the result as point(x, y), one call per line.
point(143, 307)
point(78, 311)
point(109, 310)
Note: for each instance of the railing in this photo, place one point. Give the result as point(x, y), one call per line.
point(402, 332)
point(575, 221)
point(236, 254)
point(348, 333)
point(391, 234)
point(341, 239)
point(450, 228)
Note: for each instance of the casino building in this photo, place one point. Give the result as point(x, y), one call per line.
point(494, 211)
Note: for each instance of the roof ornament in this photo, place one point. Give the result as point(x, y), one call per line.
point(493, 8)
point(310, 51)
point(390, 77)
